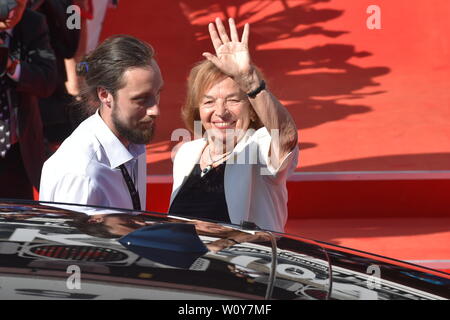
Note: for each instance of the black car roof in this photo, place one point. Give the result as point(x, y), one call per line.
point(41, 241)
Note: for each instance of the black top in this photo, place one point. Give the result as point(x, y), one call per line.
point(202, 197)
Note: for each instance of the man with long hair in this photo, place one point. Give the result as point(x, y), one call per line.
point(103, 162)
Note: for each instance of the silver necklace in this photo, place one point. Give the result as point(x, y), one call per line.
point(210, 166)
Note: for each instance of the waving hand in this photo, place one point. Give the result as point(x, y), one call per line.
point(233, 59)
point(232, 56)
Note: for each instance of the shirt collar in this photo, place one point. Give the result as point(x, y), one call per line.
point(116, 152)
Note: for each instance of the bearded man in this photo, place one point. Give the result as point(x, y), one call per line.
point(103, 162)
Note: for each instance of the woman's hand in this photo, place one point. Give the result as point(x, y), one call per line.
point(233, 59)
point(232, 56)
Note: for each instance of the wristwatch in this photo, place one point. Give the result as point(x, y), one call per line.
point(262, 86)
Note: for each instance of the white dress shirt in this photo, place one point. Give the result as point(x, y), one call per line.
point(255, 190)
point(85, 168)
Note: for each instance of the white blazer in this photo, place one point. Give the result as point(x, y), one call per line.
point(254, 190)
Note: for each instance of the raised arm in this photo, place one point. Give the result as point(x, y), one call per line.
point(233, 58)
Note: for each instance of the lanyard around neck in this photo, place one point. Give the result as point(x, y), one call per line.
point(131, 188)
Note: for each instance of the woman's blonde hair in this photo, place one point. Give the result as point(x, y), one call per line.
point(201, 78)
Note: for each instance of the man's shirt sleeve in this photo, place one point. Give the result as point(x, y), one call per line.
point(73, 188)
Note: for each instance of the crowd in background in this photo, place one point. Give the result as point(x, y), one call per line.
point(39, 86)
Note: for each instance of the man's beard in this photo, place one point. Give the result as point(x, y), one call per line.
point(133, 135)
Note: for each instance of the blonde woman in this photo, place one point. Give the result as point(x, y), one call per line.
point(238, 171)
